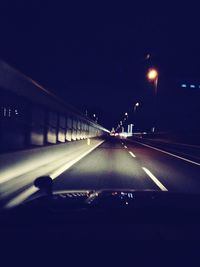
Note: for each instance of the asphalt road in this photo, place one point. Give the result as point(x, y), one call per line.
point(120, 164)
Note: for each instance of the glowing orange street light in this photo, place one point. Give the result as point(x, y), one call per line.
point(152, 76)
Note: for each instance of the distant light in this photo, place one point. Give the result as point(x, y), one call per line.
point(124, 134)
point(183, 85)
point(192, 86)
point(137, 104)
point(148, 56)
point(126, 114)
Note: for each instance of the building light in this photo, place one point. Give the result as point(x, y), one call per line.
point(192, 86)
point(183, 85)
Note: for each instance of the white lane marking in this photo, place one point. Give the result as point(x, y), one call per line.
point(65, 167)
point(32, 189)
point(156, 181)
point(168, 153)
point(131, 153)
point(125, 146)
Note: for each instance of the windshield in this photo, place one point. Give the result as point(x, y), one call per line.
point(98, 98)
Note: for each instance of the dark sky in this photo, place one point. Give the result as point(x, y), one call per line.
point(94, 55)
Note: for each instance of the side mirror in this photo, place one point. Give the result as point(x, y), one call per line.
point(44, 183)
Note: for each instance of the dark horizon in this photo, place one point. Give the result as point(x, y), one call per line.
point(94, 59)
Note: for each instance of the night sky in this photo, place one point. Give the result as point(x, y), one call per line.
point(93, 56)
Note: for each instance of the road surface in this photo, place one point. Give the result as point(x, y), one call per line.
point(121, 164)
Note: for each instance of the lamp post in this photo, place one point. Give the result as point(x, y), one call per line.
point(126, 121)
point(135, 106)
point(152, 76)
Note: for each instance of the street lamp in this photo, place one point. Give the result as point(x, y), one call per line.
point(135, 106)
point(152, 76)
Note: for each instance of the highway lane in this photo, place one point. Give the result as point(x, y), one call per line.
point(178, 175)
point(110, 166)
point(130, 165)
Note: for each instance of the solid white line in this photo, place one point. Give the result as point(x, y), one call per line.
point(131, 153)
point(32, 189)
point(125, 146)
point(65, 167)
point(168, 153)
point(156, 181)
